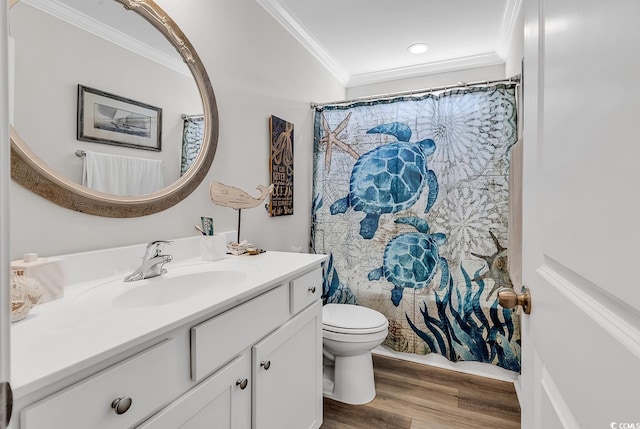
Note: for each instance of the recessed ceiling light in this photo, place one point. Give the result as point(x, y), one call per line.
point(418, 48)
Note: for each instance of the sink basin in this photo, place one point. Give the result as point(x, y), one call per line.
point(179, 284)
point(164, 290)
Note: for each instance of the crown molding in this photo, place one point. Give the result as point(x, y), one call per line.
point(463, 63)
point(97, 28)
point(276, 9)
point(302, 35)
point(507, 27)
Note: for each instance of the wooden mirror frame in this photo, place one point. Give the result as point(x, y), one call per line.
point(32, 172)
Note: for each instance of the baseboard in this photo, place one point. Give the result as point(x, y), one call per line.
point(518, 386)
point(473, 368)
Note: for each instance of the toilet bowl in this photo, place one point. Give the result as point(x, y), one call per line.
point(349, 333)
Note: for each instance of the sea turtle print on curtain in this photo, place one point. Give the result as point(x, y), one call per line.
point(389, 178)
point(411, 203)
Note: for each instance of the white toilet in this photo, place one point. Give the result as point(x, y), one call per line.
point(349, 333)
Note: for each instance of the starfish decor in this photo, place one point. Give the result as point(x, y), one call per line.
point(498, 267)
point(331, 137)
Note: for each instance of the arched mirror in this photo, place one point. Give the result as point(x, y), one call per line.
point(118, 56)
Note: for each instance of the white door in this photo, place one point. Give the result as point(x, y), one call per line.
point(5, 396)
point(581, 197)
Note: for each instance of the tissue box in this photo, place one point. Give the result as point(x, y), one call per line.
point(47, 273)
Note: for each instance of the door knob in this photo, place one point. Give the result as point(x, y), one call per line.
point(508, 298)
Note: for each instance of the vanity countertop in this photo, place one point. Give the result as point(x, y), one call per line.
point(73, 333)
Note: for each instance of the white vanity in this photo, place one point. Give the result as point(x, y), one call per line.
point(235, 343)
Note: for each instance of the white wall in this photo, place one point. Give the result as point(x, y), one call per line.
point(428, 81)
point(515, 52)
point(257, 70)
point(71, 56)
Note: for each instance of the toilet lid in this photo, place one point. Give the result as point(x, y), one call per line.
point(345, 317)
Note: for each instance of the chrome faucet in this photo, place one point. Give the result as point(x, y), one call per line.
point(152, 262)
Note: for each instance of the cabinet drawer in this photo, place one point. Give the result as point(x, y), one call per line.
point(218, 340)
point(305, 290)
point(150, 378)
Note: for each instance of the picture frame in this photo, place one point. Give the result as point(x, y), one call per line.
point(114, 120)
point(281, 166)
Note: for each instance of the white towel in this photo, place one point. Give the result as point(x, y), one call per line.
point(122, 175)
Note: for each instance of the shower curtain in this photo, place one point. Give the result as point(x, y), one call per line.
point(192, 134)
point(410, 201)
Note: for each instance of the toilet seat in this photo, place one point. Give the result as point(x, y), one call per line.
point(352, 320)
point(350, 337)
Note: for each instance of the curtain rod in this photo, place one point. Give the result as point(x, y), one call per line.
point(185, 116)
point(514, 79)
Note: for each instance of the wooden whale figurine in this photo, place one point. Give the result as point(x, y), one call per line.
point(229, 196)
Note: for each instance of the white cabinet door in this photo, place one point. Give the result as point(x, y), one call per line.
point(222, 401)
point(581, 342)
point(287, 374)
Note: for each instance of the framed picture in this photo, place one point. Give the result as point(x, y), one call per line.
point(111, 119)
point(281, 166)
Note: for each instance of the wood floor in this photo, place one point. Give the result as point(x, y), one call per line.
point(416, 396)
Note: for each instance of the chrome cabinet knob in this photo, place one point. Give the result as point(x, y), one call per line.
point(266, 364)
point(508, 298)
point(122, 405)
point(312, 289)
point(242, 382)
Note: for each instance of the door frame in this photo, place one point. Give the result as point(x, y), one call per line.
point(5, 165)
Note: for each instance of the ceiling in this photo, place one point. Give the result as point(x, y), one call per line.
point(359, 41)
point(366, 41)
point(112, 22)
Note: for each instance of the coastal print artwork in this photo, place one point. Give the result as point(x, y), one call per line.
point(115, 120)
point(281, 167)
point(410, 202)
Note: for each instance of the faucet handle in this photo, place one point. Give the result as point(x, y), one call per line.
point(155, 247)
point(153, 243)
